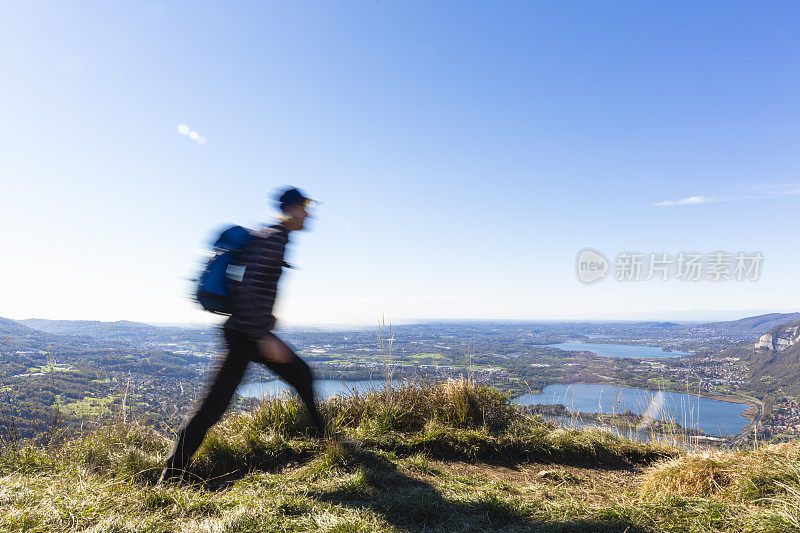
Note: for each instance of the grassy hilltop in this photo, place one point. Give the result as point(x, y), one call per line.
point(427, 457)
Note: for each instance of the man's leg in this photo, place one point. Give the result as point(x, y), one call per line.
point(297, 374)
point(211, 408)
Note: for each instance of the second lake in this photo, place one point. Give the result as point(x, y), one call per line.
point(714, 417)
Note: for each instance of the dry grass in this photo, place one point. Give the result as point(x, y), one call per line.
point(404, 406)
point(741, 475)
point(764, 483)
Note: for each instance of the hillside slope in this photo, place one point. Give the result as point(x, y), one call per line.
point(48, 379)
point(448, 457)
point(773, 360)
point(777, 370)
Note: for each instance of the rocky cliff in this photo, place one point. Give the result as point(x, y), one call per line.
point(780, 337)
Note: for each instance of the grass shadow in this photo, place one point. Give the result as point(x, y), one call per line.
point(220, 471)
point(410, 504)
point(513, 456)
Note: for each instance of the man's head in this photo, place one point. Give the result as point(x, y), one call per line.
point(294, 205)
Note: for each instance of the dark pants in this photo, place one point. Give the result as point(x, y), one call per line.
point(223, 384)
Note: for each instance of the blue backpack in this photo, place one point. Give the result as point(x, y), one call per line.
point(213, 292)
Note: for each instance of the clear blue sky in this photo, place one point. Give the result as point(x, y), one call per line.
point(465, 153)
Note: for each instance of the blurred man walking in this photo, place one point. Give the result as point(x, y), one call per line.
point(248, 333)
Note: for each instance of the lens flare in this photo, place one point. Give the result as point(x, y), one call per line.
point(184, 129)
point(654, 410)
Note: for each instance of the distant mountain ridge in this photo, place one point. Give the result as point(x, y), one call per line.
point(133, 333)
point(754, 324)
point(17, 336)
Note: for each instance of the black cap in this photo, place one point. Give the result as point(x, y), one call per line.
point(292, 196)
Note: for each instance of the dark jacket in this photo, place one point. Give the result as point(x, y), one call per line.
point(254, 296)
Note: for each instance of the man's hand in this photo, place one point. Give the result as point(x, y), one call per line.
point(274, 350)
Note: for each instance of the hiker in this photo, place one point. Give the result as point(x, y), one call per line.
point(248, 333)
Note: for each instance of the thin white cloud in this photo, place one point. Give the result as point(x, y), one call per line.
point(689, 201)
point(767, 191)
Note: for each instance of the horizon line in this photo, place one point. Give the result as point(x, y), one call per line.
point(666, 317)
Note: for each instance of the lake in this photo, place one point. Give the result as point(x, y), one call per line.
point(325, 388)
point(714, 417)
point(624, 351)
